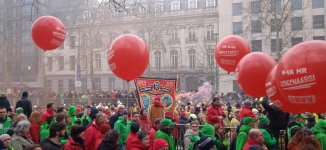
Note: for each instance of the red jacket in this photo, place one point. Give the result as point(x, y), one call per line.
point(246, 112)
point(212, 115)
point(144, 123)
point(130, 137)
point(252, 142)
point(93, 137)
point(72, 145)
point(137, 145)
point(47, 113)
point(152, 133)
point(34, 132)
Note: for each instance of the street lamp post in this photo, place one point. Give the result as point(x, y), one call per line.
point(217, 70)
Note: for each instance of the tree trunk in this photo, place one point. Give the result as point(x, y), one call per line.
point(278, 45)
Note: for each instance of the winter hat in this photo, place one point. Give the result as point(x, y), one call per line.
point(192, 116)
point(263, 120)
point(207, 129)
point(25, 94)
point(77, 129)
point(183, 114)
point(160, 143)
point(167, 122)
point(93, 112)
point(4, 137)
point(247, 120)
point(205, 143)
point(19, 110)
point(247, 103)
point(72, 110)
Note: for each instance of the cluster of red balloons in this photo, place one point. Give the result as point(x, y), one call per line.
point(48, 33)
point(296, 84)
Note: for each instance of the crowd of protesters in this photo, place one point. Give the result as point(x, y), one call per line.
point(255, 125)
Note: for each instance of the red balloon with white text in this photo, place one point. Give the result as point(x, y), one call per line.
point(48, 33)
point(128, 57)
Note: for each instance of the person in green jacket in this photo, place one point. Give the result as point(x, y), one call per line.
point(269, 139)
point(45, 128)
point(5, 121)
point(298, 122)
point(209, 131)
point(191, 136)
point(72, 114)
point(121, 127)
point(320, 132)
point(247, 124)
point(165, 132)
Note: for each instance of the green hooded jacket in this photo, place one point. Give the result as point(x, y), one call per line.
point(242, 136)
point(208, 131)
point(269, 140)
point(44, 131)
point(72, 114)
point(320, 132)
point(193, 137)
point(167, 138)
point(5, 126)
point(121, 127)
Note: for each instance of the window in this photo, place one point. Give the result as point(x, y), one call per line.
point(192, 59)
point(317, 3)
point(174, 35)
point(210, 3)
point(277, 5)
point(97, 61)
point(61, 63)
point(50, 64)
point(296, 23)
point(318, 22)
point(192, 4)
point(49, 85)
point(174, 60)
point(237, 9)
point(60, 86)
point(210, 32)
point(257, 45)
point(111, 83)
point(237, 27)
point(318, 38)
point(72, 42)
point(72, 63)
point(71, 85)
point(159, 7)
point(211, 57)
point(295, 41)
point(175, 5)
point(275, 23)
point(296, 4)
point(84, 83)
point(157, 56)
point(192, 34)
point(255, 7)
point(273, 45)
point(256, 26)
point(97, 82)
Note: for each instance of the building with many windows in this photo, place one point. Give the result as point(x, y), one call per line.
point(181, 36)
point(266, 24)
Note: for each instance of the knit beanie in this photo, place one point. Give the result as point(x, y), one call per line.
point(205, 143)
point(4, 137)
point(207, 129)
point(25, 94)
point(263, 120)
point(159, 143)
point(72, 110)
point(93, 112)
point(247, 120)
point(19, 110)
point(247, 103)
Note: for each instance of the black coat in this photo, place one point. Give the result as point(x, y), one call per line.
point(114, 119)
point(47, 144)
point(26, 105)
point(107, 146)
point(5, 103)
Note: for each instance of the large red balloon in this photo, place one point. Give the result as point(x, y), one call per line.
point(48, 33)
point(128, 57)
point(274, 94)
point(301, 76)
point(230, 50)
point(252, 72)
